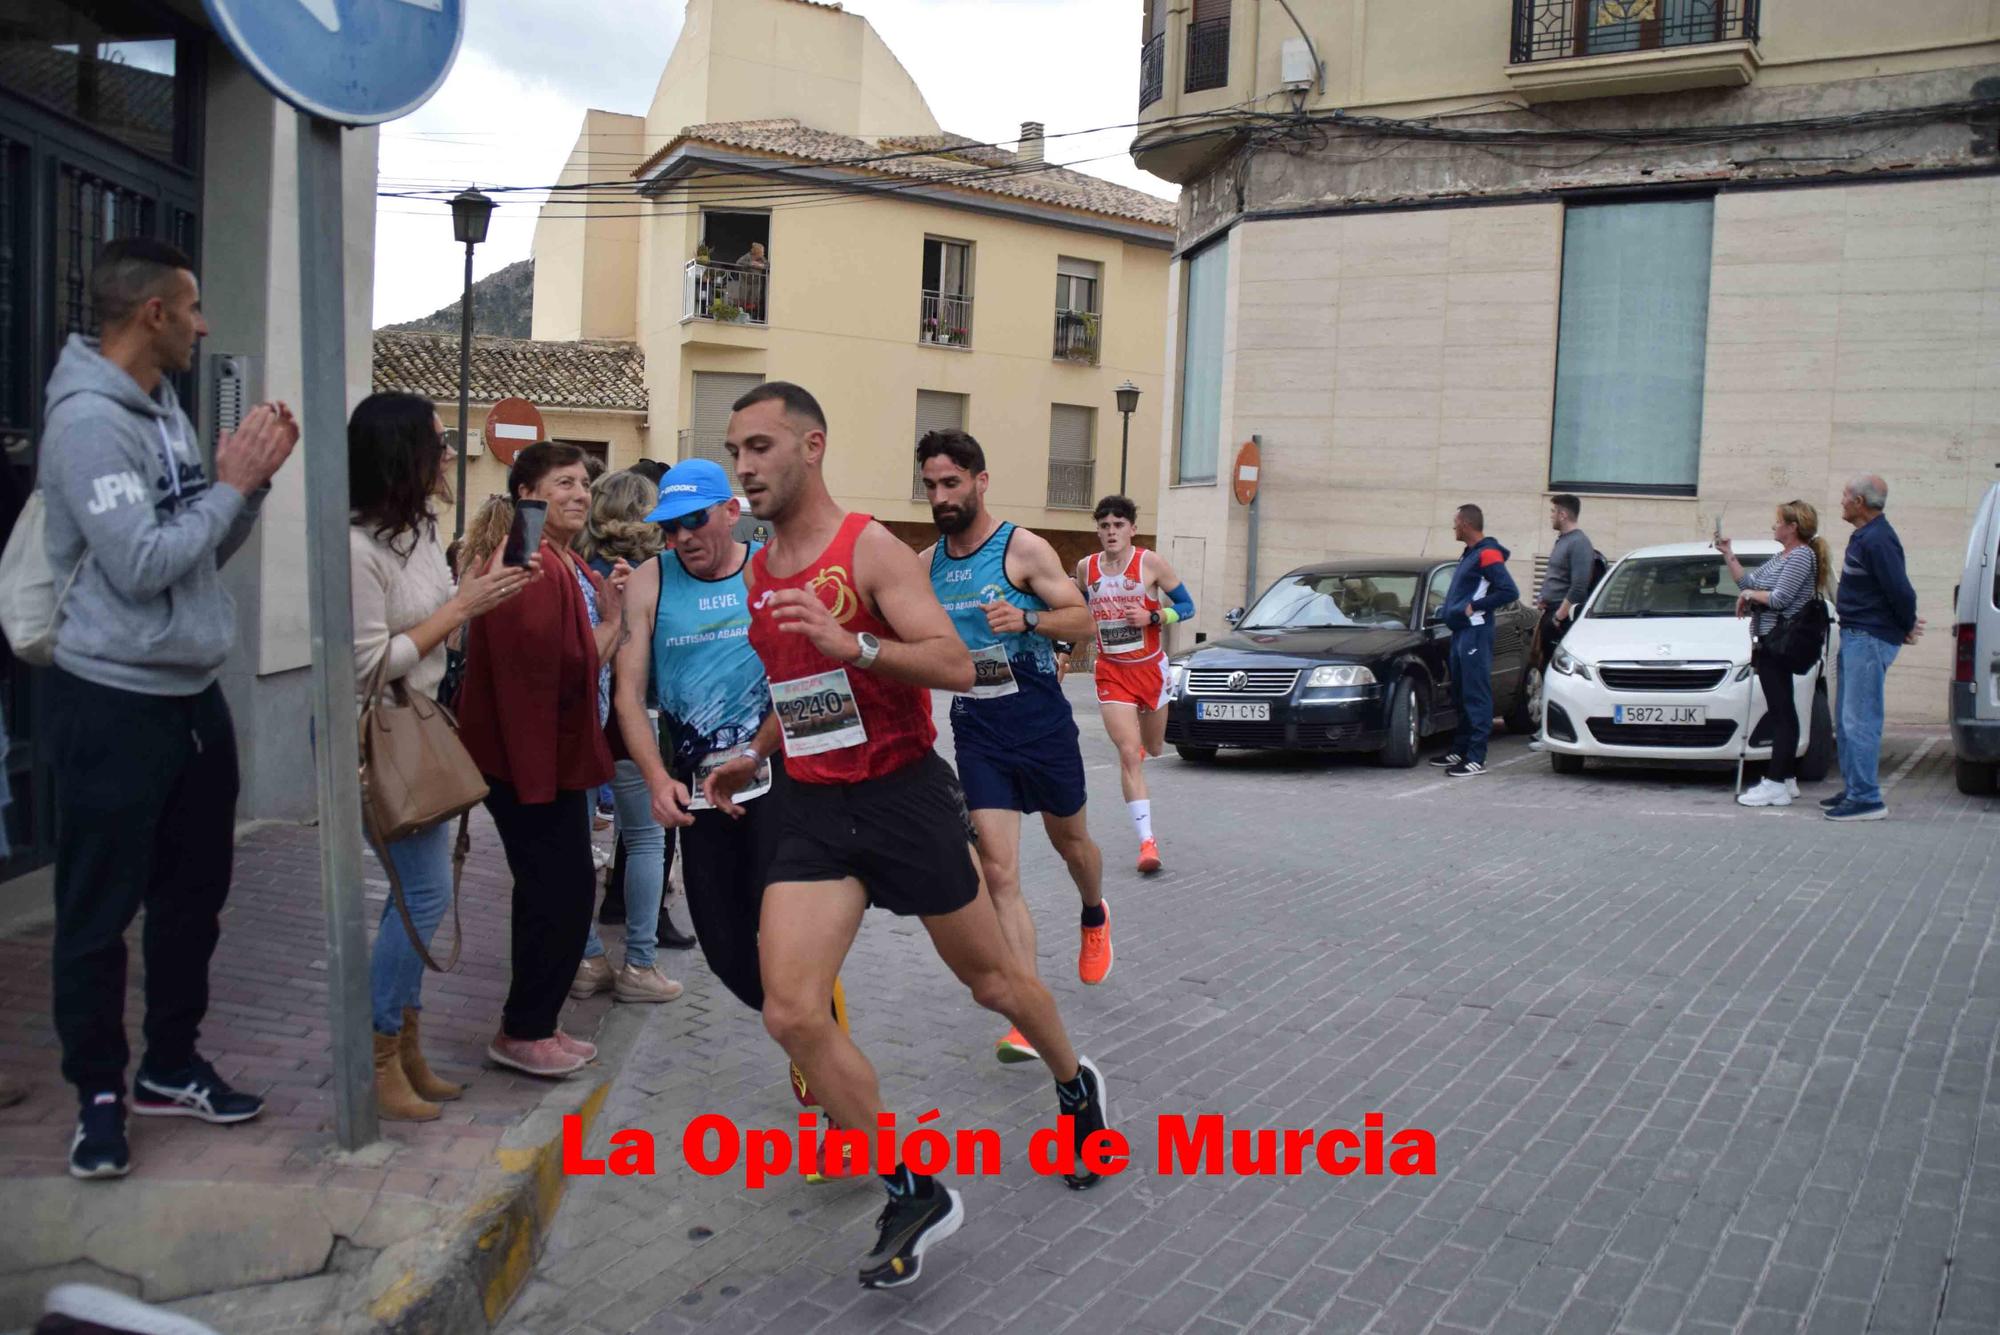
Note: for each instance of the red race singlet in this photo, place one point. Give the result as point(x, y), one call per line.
point(842, 724)
point(1112, 598)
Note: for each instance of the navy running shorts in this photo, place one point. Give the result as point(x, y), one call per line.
point(1044, 774)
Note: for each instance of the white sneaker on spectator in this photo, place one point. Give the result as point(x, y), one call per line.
point(1792, 787)
point(1765, 793)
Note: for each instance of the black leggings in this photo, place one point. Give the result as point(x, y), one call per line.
point(723, 861)
point(555, 887)
point(1783, 711)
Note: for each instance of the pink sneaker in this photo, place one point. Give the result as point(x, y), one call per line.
point(546, 1057)
point(576, 1047)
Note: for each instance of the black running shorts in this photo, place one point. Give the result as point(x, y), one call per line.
point(905, 836)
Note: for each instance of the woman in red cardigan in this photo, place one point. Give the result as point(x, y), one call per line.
point(530, 716)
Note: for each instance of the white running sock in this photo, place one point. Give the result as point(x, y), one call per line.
point(1142, 818)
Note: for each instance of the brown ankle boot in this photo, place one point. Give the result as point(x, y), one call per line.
point(395, 1101)
point(427, 1083)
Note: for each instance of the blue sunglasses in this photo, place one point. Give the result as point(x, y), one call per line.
point(691, 522)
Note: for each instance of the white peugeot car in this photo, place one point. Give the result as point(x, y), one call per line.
point(1657, 667)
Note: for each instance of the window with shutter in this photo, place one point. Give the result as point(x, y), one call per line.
point(936, 411)
point(715, 394)
point(1072, 456)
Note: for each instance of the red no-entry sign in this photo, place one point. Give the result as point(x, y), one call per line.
point(511, 424)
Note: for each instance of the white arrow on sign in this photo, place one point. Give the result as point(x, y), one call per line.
point(328, 11)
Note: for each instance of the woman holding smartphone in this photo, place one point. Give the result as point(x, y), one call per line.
point(529, 715)
point(405, 607)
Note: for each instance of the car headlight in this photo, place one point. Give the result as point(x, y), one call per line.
point(1341, 674)
point(1570, 665)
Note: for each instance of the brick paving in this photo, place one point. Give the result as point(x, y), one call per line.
point(267, 1031)
point(1690, 1068)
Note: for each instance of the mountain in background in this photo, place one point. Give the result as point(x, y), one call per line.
point(503, 303)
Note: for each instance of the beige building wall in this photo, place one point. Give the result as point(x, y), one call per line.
point(845, 300)
point(1398, 364)
point(586, 246)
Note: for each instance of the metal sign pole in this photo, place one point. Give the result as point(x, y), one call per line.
point(1250, 575)
point(323, 312)
point(464, 384)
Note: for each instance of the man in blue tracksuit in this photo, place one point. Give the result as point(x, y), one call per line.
point(1479, 587)
point(1878, 616)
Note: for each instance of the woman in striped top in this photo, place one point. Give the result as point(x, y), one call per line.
point(1778, 588)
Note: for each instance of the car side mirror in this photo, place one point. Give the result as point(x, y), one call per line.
point(1234, 616)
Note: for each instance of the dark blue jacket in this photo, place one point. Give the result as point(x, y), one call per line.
point(1479, 585)
point(1875, 593)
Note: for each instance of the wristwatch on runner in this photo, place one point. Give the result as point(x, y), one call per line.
point(871, 649)
point(1033, 619)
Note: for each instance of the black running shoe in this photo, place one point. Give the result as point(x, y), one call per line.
point(1465, 769)
point(1087, 1114)
point(98, 1149)
point(1829, 803)
point(1447, 760)
point(909, 1225)
point(195, 1092)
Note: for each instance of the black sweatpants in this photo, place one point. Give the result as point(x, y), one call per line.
point(145, 797)
point(555, 888)
point(1783, 708)
point(723, 861)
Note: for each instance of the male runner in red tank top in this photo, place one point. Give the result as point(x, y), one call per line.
point(853, 641)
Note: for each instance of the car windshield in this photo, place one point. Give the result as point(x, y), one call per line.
point(1310, 601)
point(1671, 586)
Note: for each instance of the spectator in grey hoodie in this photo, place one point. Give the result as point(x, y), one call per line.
point(142, 748)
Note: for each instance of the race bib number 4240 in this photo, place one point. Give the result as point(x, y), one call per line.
point(818, 713)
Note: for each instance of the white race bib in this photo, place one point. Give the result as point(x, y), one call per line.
point(1119, 637)
point(715, 760)
point(992, 674)
point(818, 713)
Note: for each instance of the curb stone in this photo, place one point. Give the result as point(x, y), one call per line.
point(462, 1276)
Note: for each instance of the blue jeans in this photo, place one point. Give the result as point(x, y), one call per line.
point(645, 868)
point(1472, 689)
point(1864, 662)
point(395, 973)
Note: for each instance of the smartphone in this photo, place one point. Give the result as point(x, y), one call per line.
point(1718, 528)
point(524, 539)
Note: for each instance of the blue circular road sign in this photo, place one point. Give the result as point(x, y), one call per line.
point(358, 62)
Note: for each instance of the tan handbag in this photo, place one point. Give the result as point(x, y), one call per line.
point(415, 773)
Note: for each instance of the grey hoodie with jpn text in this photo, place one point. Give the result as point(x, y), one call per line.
point(127, 494)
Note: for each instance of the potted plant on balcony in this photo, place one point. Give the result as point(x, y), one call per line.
point(725, 310)
point(701, 254)
point(961, 337)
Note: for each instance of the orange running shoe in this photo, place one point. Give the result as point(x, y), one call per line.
point(1016, 1048)
point(1093, 958)
point(1149, 857)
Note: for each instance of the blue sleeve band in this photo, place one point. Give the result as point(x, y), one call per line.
point(1182, 600)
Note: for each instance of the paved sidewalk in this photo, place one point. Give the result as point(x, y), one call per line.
point(1690, 1068)
point(214, 1208)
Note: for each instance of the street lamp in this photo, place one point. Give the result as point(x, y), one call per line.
point(1128, 403)
point(470, 212)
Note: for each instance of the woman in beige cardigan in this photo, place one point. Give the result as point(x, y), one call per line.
point(405, 607)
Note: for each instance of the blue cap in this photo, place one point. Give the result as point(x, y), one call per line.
point(690, 485)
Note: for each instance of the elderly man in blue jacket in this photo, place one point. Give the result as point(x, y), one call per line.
point(1480, 585)
point(1878, 616)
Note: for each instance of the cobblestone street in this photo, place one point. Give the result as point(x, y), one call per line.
point(1689, 1067)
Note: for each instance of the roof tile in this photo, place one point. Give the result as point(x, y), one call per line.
point(588, 373)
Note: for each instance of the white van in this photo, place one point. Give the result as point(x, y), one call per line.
point(1975, 682)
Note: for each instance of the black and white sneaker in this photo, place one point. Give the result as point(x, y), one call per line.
point(1465, 769)
point(910, 1223)
point(195, 1092)
point(98, 1148)
point(1088, 1113)
point(1447, 760)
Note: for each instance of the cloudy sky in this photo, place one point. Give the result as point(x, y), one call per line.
point(515, 100)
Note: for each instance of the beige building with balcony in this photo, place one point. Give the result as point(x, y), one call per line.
point(797, 213)
point(1684, 258)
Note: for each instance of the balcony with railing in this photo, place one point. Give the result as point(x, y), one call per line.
point(725, 293)
point(1602, 48)
point(946, 320)
point(1152, 70)
point(1207, 54)
point(1072, 484)
point(1077, 336)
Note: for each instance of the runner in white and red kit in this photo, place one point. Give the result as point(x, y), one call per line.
point(1134, 595)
